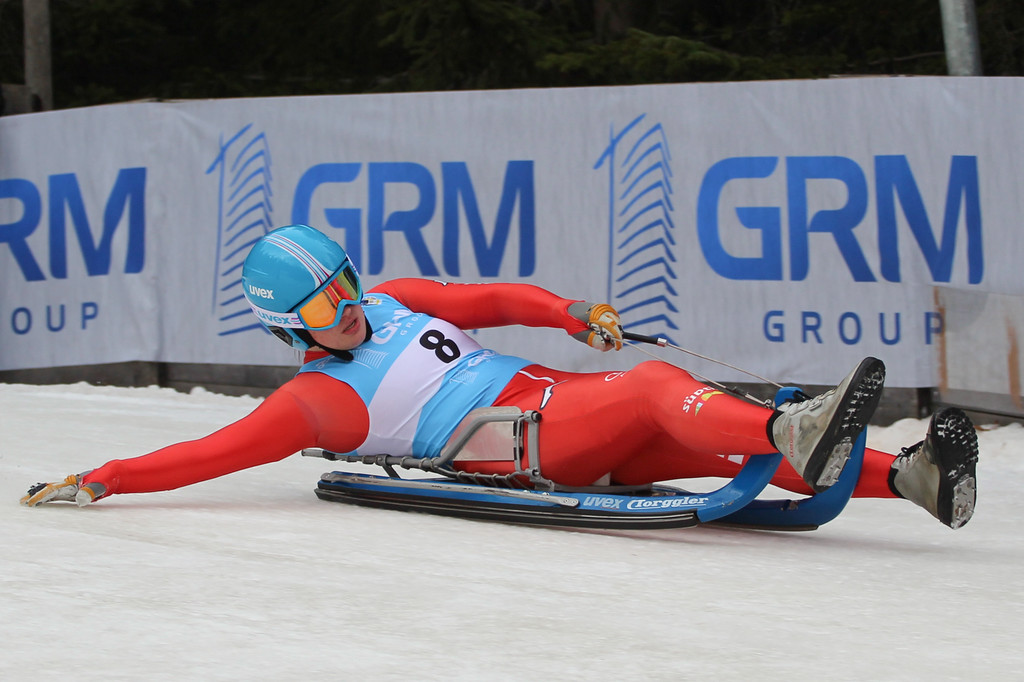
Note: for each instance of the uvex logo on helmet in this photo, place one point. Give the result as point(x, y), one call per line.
point(262, 293)
point(274, 319)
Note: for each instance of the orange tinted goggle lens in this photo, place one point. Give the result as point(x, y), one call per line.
point(323, 310)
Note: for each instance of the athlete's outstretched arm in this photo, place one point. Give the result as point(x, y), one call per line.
point(311, 409)
point(476, 306)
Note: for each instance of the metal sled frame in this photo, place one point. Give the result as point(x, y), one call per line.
point(527, 496)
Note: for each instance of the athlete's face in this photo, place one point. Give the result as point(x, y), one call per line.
point(345, 335)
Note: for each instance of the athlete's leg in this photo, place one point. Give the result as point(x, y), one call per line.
point(592, 424)
point(652, 423)
point(659, 464)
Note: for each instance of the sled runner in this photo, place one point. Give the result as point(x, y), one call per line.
point(527, 497)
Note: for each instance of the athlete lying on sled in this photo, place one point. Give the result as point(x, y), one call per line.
point(393, 372)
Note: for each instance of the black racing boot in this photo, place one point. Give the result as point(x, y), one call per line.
point(939, 472)
point(817, 435)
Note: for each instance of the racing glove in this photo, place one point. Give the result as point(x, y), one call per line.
point(68, 490)
point(604, 330)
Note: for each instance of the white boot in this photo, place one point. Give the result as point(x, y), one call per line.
point(939, 472)
point(817, 435)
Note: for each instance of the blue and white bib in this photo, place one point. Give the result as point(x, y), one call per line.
point(418, 376)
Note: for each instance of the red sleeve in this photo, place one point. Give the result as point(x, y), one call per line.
point(476, 306)
point(312, 409)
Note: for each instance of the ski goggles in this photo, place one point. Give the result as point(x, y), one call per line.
point(324, 307)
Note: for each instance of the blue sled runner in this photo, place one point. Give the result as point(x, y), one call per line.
point(527, 497)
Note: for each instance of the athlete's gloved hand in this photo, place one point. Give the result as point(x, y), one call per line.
point(604, 326)
point(68, 490)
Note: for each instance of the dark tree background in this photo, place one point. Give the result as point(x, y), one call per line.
point(116, 50)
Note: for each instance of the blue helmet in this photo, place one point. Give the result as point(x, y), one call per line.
point(295, 279)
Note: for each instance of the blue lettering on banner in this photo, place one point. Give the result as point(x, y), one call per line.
point(893, 176)
point(849, 327)
point(893, 181)
point(126, 204)
point(458, 198)
point(65, 199)
point(767, 266)
point(53, 317)
point(21, 321)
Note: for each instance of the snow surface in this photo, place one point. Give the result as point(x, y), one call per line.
point(252, 577)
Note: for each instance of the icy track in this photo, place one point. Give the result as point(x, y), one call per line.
point(252, 577)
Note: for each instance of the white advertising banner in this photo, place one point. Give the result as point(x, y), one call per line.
point(790, 228)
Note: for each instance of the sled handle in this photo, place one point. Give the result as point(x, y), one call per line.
point(643, 338)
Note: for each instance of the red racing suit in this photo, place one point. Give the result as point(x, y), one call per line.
point(651, 423)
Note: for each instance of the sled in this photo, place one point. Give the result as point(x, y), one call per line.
point(526, 496)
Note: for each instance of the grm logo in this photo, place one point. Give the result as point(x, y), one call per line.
point(458, 198)
point(894, 183)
